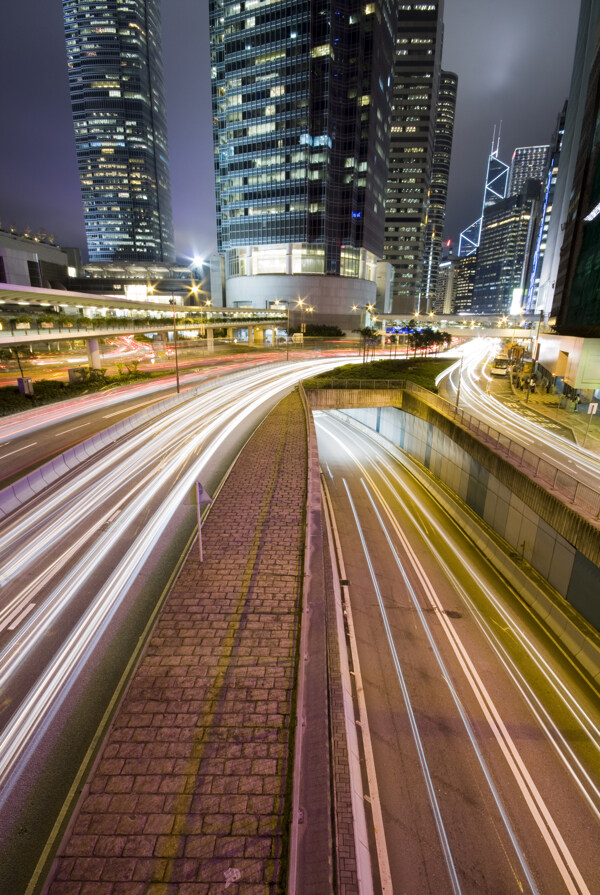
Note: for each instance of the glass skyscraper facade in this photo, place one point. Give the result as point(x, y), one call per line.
point(442, 152)
point(417, 63)
point(118, 103)
point(301, 97)
point(528, 163)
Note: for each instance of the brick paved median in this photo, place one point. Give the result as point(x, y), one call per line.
point(188, 795)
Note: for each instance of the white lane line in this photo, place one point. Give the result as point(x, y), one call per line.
point(24, 448)
point(363, 859)
point(20, 617)
point(542, 816)
point(64, 431)
point(11, 615)
point(409, 711)
point(107, 416)
point(446, 676)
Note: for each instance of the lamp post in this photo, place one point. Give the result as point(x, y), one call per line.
point(369, 310)
point(280, 301)
point(172, 303)
point(459, 382)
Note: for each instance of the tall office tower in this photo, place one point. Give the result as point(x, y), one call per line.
point(442, 151)
point(506, 234)
point(528, 163)
point(301, 95)
point(576, 307)
point(531, 300)
point(118, 103)
point(416, 84)
point(465, 280)
point(446, 287)
point(585, 52)
point(495, 189)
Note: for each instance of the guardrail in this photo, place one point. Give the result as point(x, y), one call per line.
point(119, 325)
point(550, 476)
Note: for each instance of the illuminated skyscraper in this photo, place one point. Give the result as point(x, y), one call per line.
point(528, 163)
point(117, 98)
point(301, 97)
point(496, 185)
point(416, 83)
point(442, 151)
point(506, 234)
point(585, 56)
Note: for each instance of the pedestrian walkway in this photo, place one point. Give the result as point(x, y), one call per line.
point(191, 791)
point(585, 430)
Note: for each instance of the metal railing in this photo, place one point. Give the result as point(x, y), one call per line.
point(581, 496)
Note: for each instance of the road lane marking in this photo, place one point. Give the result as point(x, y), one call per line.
point(64, 431)
point(24, 448)
point(107, 416)
point(542, 816)
point(343, 610)
point(409, 710)
point(20, 617)
point(11, 615)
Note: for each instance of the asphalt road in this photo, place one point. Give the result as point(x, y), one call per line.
point(485, 737)
point(82, 568)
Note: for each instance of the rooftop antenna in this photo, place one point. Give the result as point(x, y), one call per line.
point(493, 150)
point(499, 132)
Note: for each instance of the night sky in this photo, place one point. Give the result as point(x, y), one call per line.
point(513, 60)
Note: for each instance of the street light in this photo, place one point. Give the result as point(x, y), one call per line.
point(279, 301)
point(172, 303)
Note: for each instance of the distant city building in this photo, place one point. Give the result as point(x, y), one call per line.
point(585, 53)
point(528, 163)
point(415, 104)
point(506, 234)
point(118, 103)
point(576, 305)
point(442, 151)
point(145, 281)
point(446, 287)
point(301, 98)
point(35, 261)
point(495, 189)
point(465, 280)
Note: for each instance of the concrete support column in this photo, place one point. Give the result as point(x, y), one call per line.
point(210, 339)
point(94, 358)
point(382, 339)
point(259, 336)
point(250, 335)
point(362, 264)
point(288, 259)
point(230, 332)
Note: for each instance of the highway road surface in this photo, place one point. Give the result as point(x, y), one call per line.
point(482, 739)
point(82, 568)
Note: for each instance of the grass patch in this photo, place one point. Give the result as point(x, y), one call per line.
point(422, 371)
point(49, 391)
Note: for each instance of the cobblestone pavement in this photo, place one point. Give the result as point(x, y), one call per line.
point(189, 792)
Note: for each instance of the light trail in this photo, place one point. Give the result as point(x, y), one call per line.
point(419, 518)
point(93, 509)
point(523, 430)
point(431, 795)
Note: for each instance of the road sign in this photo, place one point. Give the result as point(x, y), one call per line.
point(592, 408)
point(203, 498)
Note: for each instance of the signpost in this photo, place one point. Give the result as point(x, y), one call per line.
point(203, 497)
point(592, 409)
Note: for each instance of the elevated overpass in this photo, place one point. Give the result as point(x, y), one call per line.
point(91, 317)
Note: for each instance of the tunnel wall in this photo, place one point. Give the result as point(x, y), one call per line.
point(503, 504)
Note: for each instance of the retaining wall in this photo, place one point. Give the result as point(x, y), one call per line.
point(561, 545)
